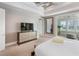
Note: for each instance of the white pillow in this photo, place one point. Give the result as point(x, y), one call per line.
point(58, 40)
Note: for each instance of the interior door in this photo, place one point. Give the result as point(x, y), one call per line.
point(2, 29)
point(40, 27)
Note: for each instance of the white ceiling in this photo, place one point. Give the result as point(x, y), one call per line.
point(27, 6)
point(53, 8)
point(64, 8)
point(48, 5)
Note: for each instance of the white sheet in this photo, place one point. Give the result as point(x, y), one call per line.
point(69, 48)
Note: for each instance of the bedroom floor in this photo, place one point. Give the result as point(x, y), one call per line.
point(45, 38)
point(24, 49)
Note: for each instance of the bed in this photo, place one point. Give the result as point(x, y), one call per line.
point(48, 48)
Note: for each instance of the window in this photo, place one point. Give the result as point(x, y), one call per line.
point(63, 25)
point(70, 25)
point(77, 25)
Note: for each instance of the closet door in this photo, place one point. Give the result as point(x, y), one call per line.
point(2, 29)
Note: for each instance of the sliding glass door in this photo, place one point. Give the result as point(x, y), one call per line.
point(68, 26)
point(61, 27)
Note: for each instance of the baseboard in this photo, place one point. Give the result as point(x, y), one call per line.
point(11, 43)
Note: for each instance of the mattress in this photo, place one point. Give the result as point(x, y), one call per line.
point(48, 48)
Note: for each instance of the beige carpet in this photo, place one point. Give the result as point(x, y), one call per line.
point(21, 50)
point(24, 49)
point(44, 38)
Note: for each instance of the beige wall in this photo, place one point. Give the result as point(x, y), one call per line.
point(13, 20)
point(55, 27)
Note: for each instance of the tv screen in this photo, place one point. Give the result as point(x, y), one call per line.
point(26, 27)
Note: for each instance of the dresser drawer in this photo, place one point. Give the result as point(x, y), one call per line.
point(27, 36)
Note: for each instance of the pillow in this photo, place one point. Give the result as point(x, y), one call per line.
point(58, 40)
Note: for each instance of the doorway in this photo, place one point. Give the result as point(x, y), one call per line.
point(49, 24)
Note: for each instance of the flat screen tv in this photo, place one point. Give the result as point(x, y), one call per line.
point(26, 27)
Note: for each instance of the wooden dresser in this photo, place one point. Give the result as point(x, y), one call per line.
point(26, 37)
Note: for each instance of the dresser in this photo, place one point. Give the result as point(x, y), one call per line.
point(24, 37)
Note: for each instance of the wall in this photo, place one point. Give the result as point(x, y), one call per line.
point(13, 20)
point(55, 26)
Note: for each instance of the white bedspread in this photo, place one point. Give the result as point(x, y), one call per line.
point(69, 48)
